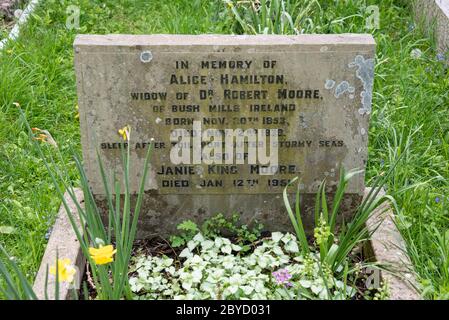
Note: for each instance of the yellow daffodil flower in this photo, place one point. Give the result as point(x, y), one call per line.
point(102, 255)
point(124, 132)
point(66, 271)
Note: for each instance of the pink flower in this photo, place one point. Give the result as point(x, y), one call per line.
point(282, 277)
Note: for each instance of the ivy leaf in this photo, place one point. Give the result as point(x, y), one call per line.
point(185, 253)
point(263, 262)
point(226, 249)
point(292, 246)
point(191, 245)
point(276, 236)
point(233, 289)
point(236, 247)
point(278, 251)
point(316, 289)
point(196, 276)
point(207, 244)
point(167, 262)
point(247, 289)
point(198, 238)
point(218, 242)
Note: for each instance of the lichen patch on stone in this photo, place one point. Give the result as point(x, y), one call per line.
point(343, 87)
point(329, 84)
point(365, 73)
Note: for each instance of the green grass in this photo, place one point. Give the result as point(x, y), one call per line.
point(409, 113)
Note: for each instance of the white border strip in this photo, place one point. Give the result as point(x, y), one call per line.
point(23, 18)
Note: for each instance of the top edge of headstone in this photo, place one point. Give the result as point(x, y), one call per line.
point(222, 40)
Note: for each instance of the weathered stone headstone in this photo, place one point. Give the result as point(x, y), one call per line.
point(316, 90)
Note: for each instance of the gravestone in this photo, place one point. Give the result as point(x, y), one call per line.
point(232, 120)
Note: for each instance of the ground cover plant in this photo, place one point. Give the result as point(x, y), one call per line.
point(280, 266)
point(409, 116)
point(215, 268)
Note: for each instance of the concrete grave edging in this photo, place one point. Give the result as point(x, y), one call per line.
point(386, 247)
point(63, 244)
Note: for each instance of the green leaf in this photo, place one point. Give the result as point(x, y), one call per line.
point(295, 218)
point(177, 241)
point(188, 225)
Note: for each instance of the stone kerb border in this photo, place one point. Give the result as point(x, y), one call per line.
point(386, 248)
point(63, 243)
